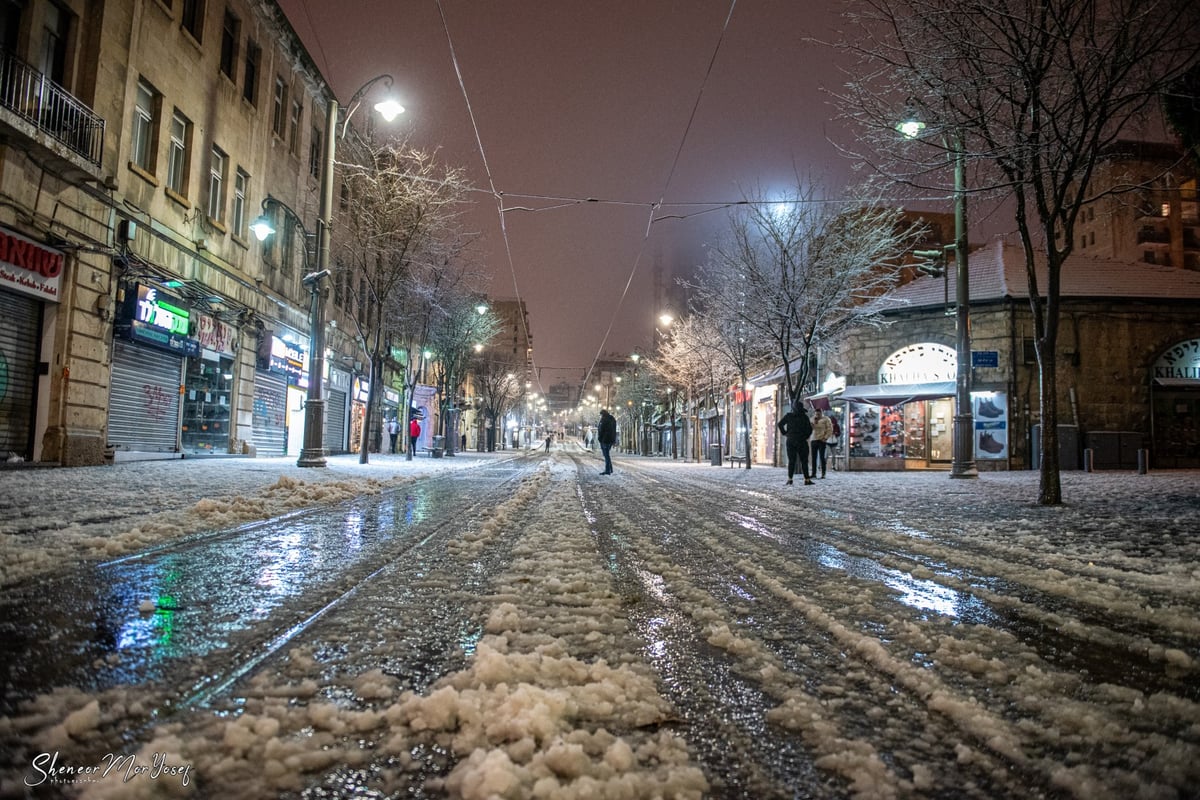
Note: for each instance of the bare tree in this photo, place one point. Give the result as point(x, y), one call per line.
point(722, 301)
point(1032, 93)
point(686, 361)
point(500, 390)
point(795, 274)
point(461, 331)
point(400, 213)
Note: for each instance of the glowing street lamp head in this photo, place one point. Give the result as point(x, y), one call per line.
point(910, 128)
point(262, 228)
point(665, 318)
point(389, 109)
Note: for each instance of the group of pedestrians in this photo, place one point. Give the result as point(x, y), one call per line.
point(805, 438)
point(393, 431)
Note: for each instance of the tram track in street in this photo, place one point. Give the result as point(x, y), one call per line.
point(759, 556)
point(107, 605)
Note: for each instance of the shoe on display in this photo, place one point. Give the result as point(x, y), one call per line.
point(989, 409)
point(989, 445)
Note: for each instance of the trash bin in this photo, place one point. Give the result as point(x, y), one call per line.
point(439, 446)
point(714, 454)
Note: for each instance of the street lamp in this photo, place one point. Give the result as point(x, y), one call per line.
point(963, 462)
point(312, 453)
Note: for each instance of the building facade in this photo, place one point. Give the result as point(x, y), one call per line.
point(138, 315)
point(1127, 371)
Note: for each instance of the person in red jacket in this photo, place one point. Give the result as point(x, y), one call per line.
point(414, 433)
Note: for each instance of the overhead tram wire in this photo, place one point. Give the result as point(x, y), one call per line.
point(499, 196)
point(666, 185)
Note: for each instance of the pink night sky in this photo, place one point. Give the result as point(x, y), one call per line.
point(630, 102)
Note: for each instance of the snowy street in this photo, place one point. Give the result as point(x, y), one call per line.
point(515, 625)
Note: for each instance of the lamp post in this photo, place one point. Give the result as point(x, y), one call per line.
point(962, 464)
point(312, 453)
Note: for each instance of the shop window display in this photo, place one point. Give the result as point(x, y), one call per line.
point(208, 393)
point(863, 431)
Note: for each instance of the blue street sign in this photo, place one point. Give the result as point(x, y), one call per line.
point(985, 358)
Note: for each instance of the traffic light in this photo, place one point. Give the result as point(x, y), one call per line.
point(933, 262)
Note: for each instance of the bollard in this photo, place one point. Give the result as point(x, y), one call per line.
point(1087, 459)
point(1143, 460)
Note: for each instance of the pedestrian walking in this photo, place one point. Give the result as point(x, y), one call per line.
point(834, 441)
point(414, 433)
point(393, 429)
point(549, 439)
point(796, 427)
point(606, 434)
point(822, 431)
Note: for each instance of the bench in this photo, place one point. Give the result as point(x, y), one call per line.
point(733, 460)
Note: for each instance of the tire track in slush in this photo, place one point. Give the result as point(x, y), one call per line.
point(989, 698)
point(741, 613)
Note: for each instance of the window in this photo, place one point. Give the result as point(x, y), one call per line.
point(272, 215)
point(314, 153)
point(177, 162)
point(192, 18)
point(294, 127)
point(279, 120)
point(230, 31)
point(216, 186)
point(145, 127)
point(250, 76)
point(287, 245)
point(240, 183)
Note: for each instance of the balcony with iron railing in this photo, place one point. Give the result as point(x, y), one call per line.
point(51, 109)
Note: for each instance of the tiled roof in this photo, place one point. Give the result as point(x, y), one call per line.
point(998, 271)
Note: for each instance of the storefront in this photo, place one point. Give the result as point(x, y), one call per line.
point(208, 411)
point(1175, 403)
point(906, 421)
point(30, 278)
point(151, 345)
point(765, 416)
point(360, 392)
point(337, 415)
point(281, 370)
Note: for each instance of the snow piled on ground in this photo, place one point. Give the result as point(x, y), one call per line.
point(538, 712)
point(51, 517)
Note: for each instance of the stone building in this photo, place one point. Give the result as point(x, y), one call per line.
point(1128, 358)
point(138, 316)
point(1152, 213)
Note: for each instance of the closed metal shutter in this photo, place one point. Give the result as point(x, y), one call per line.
point(143, 406)
point(335, 422)
point(270, 414)
point(20, 322)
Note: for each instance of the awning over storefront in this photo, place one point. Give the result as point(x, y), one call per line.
point(1176, 382)
point(893, 394)
point(820, 401)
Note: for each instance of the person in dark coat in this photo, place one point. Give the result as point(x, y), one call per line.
point(796, 427)
point(606, 434)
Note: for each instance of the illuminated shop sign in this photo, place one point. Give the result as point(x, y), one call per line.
point(920, 363)
point(157, 319)
point(289, 360)
point(1180, 364)
point(28, 267)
